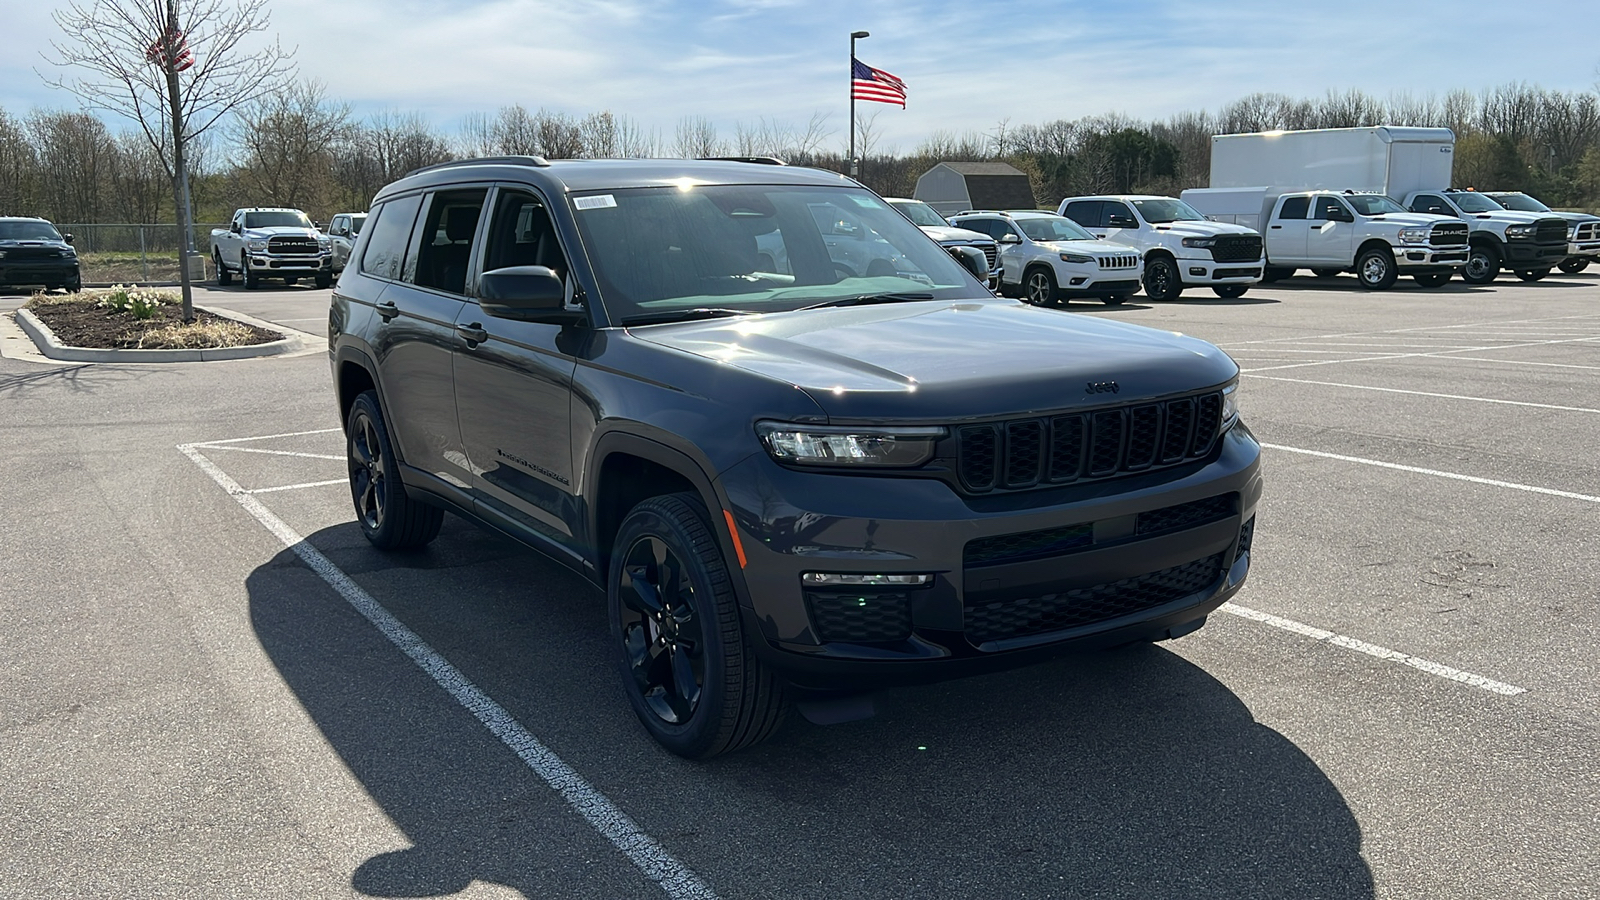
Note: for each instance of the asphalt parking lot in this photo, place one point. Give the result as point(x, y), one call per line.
point(219, 690)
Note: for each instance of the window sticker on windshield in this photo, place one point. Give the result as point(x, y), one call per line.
point(599, 201)
point(868, 202)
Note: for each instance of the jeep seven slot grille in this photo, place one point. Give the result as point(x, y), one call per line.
point(1119, 262)
point(1448, 235)
point(1025, 453)
point(1237, 248)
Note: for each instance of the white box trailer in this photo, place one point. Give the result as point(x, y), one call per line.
point(1385, 159)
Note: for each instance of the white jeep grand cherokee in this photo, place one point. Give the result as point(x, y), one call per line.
point(1046, 258)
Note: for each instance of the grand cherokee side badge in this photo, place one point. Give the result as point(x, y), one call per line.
point(1102, 387)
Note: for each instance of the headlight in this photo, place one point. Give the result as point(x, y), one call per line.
point(2, 254)
point(258, 245)
point(1413, 235)
point(1200, 242)
point(1521, 231)
point(1230, 404)
point(1572, 232)
point(322, 243)
point(1076, 258)
point(826, 445)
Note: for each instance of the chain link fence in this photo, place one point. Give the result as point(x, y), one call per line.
point(110, 253)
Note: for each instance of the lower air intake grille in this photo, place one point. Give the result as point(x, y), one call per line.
point(865, 617)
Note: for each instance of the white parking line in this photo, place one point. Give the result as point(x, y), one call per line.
point(296, 487)
point(1350, 643)
point(1424, 328)
point(262, 437)
point(276, 452)
point(1368, 387)
point(657, 864)
point(1454, 476)
point(1435, 354)
point(1519, 362)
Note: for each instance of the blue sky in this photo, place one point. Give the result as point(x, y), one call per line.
point(968, 65)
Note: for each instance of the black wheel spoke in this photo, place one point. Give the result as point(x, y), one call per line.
point(639, 593)
point(685, 691)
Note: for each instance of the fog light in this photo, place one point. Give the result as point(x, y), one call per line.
point(839, 579)
point(1197, 270)
point(1078, 280)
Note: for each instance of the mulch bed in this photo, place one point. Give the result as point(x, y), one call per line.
point(84, 323)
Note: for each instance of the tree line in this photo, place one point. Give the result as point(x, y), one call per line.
point(300, 148)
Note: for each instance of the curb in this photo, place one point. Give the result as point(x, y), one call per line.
point(49, 346)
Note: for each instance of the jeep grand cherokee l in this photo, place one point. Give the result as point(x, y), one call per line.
point(785, 482)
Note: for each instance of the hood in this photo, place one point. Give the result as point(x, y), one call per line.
point(1090, 247)
point(940, 361)
point(1412, 219)
point(34, 242)
point(942, 233)
point(1201, 229)
point(274, 230)
point(1511, 216)
point(1571, 216)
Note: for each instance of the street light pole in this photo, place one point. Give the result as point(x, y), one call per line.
point(854, 36)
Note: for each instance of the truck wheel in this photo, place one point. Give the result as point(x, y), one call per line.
point(224, 277)
point(324, 281)
point(1532, 274)
point(1432, 279)
point(1275, 273)
point(1572, 265)
point(1327, 273)
point(389, 518)
point(1483, 265)
point(1230, 291)
point(1375, 269)
point(690, 676)
point(1039, 286)
point(251, 282)
point(1161, 279)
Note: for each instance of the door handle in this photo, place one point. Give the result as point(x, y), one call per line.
point(387, 310)
point(1276, 228)
point(473, 334)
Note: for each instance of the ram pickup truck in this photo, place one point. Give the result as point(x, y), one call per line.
point(1529, 244)
point(1583, 230)
point(1181, 247)
point(343, 229)
point(271, 243)
point(950, 237)
point(1331, 232)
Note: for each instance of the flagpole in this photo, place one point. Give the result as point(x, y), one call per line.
point(854, 35)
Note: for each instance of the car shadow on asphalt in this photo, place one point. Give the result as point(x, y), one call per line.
point(1131, 773)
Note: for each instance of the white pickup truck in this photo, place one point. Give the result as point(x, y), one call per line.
point(271, 243)
point(1181, 247)
point(1528, 243)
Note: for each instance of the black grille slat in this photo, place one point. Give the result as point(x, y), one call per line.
point(1066, 447)
point(1448, 235)
point(1144, 437)
point(868, 617)
point(1184, 515)
point(1010, 548)
point(1206, 424)
point(1061, 610)
point(1551, 230)
point(1105, 442)
point(1180, 427)
point(292, 245)
point(1247, 533)
point(1024, 453)
point(980, 456)
point(1236, 248)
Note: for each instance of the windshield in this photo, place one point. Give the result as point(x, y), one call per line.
point(285, 218)
point(1373, 204)
point(920, 213)
point(1052, 228)
point(756, 248)
point(1474, 203)
point(28, 231)
point(1167, 209)
point(1521, 202)
point(356, 221)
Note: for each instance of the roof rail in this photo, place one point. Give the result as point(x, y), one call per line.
point(758, 160)
point(537, 161)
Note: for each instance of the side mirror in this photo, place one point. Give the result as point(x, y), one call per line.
point(1340, 215)
point(234, 227)
point(529, 293)
point(1010, 237)
point(973, 260)
point(67, 237)
point(1121, 222)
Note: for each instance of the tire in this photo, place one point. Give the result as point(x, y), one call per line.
point(324, 281)
point(1230, 291)
point(1327, 273)
point(1572, 265)
point(690, 676)
point(388, 517)
point(251, 282)
point(1532, 274)
point(1114, 299)
point(1275, 273)
point(1483, 265)
point(291, 280)
point(1432, 279)
point(1039, 286)
point(1161, 279)
point(1375, 269)
point(224, 276)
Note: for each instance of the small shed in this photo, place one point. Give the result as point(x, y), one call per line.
point(951, 187)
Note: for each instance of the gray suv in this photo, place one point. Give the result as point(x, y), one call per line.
point(791, 480)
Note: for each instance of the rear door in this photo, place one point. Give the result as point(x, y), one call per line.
point(1287, 232)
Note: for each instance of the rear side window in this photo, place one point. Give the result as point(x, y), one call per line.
point(1295, 208)
point(1088, 213)
point(386, 245)
point(444, 241)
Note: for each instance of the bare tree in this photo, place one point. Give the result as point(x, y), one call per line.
point(697, 137)
point(175, 67)
point(288, 140)
point(18, 163)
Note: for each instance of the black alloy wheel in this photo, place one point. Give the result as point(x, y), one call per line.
point(1483, 265)
point(1230, 291)
point(1161, 279)
point(224, 276)
point(388, 517)
point(1375, 269)
point(1432, 279)
point(693, 682)
point(1039, 286)
point(1532, 274)
point(1572, 265)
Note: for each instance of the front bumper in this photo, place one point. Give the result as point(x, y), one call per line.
point(1422, 258)
point(1525, 254)
point(1204, 271)
point(269, 265)
point(1118, 581)
point(1583, 248)
point(38, 272)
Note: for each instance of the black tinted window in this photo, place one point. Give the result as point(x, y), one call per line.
point(1086, 212)
point(386, 246)
point(1294, 208)
point(521, 235)
point(444, 241)
point(1328, 208)
point(1427, 203)
point(1120, 211)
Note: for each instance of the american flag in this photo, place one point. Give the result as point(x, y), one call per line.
point(182, 58)
point(867, 83)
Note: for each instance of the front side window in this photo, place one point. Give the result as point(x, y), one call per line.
point(283, 218)
point(1118, 215)
point(1475, 203)
point(443, 242)
point(1374, 204)
point(1520, 202)
point(1428, 203)
point(1329, 208)
point(386, 246)
point(521, 234)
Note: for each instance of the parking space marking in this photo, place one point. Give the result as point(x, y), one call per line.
point(1437, 354)
point(1499, 324)
point(1454, 476)
point(262, 437)
point(1368, 387)
point(653, 860)
point(1350, 643)
point(296, 487)
point(1519, 362)
point(237, 449)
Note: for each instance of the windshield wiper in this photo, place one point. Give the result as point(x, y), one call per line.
point(682, 315)
point(866, 299)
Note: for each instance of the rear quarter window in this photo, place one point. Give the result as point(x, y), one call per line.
point(386, 245)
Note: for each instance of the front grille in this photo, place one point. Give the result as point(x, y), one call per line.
point(1551, 230)
point(1118, 262)
point(1024, 453)
point(16, 253)
point(1247, 533)
point(863, 617)
point(1235, 273)
point(1047, 542)
point(1587, 231)
point(1184, 515)
point(1448, 235)
point(991, 252)
point(1236, 248)
point(1078, 607)
point(292, 245)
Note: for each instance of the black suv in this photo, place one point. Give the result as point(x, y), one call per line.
point(790, 476)
point(33, 252)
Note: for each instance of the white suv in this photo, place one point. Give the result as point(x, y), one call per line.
point(1181, 247)
point(1046, 258)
